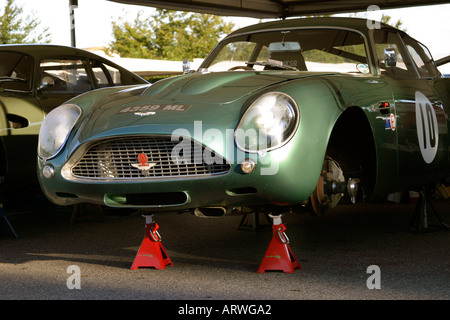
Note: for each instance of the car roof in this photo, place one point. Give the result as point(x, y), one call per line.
point(48, 50)
point(350, 23)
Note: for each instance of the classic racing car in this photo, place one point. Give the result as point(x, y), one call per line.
point(34, 79)
point(280, 114)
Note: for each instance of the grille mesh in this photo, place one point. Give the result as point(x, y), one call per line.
point(114, 159)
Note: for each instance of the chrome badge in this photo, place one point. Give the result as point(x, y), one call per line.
point(144, 114)
point(143, 164)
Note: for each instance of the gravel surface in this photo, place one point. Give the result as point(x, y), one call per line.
point(213, 260)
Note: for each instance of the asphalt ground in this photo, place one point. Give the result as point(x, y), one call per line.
point(216, 261)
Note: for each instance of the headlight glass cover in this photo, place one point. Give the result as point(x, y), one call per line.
point(56, 128)
point(269, 123)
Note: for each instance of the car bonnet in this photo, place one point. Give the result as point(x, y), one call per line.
point(214, 99)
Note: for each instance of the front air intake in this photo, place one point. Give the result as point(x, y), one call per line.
point(145, 157)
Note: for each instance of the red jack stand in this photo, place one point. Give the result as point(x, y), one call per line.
point(151, 253)
point(279, 255)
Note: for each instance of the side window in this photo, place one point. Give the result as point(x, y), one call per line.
point(105, 75)
point(390, 54)
point(64, 76)
point(421, 58)
point(15, 71)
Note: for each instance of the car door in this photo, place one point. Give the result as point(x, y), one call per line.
point(58, 80)
point(421, 122)
point(20, 117)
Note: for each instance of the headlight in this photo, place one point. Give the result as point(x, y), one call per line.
point(269, 123)
point(56, 128)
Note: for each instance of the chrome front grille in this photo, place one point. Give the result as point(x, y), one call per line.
point(147, 158)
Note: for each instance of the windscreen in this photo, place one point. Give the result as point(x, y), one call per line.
point(335, 50)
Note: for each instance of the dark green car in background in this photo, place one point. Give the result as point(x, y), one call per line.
point(34, 79)
point(280, 114)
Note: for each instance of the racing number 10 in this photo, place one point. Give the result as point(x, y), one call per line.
point(427, 127)
point(430, 124)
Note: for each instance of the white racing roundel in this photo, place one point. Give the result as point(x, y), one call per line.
point(427, 127)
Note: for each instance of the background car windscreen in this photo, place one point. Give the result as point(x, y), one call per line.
point(64, 76)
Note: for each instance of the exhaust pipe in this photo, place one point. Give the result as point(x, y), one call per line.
point(210, 212)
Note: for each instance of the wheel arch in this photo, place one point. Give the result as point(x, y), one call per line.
point(352, 145)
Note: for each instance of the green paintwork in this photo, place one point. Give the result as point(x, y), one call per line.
point(18, 143)
point(337, 111)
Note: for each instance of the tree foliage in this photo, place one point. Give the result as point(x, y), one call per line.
point(14, 29)
point(168, 35)
point(398, 24)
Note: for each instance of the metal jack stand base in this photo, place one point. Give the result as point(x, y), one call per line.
point(3, 215)
point(151, 252)
point(279, 256)
point(420, 218)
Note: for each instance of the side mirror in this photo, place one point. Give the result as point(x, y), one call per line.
point(390, 57)
point(186, 66)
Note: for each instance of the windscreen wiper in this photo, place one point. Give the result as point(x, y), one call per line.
point(272, 64)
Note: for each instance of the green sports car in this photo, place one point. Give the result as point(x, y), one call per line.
point(280, 114)
point(34, 79)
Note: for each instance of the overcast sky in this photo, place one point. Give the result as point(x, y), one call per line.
point(427, 24)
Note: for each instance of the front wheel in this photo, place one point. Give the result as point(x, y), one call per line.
point(321, 199)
